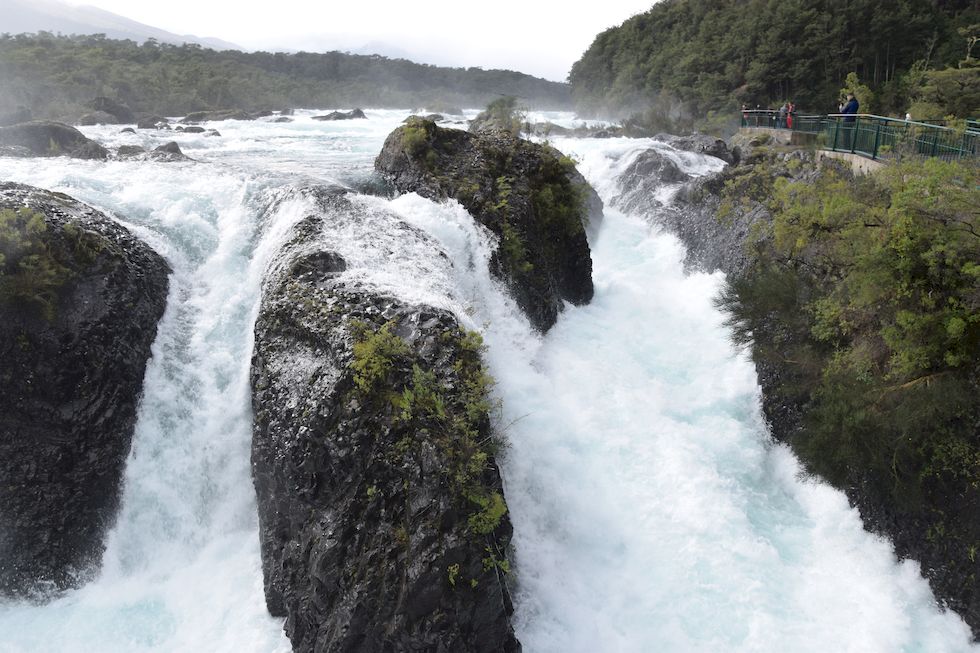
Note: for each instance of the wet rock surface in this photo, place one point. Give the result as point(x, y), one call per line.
point(529, 195)
point(75, 344)
point(46, 138)
point(382, 522)
point(355, 114)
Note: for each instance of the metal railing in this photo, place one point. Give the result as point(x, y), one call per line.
point(875, 137)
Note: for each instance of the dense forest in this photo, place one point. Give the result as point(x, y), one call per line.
point(687, 58)
point(55, 76)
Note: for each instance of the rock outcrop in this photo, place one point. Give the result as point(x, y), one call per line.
point(356, 114)
point(169, 152)
point(723, 219)
point(702, 144)
point(529, 195)
point(382, 521)
point(98, 118)
point(152, 122)
point(215, 116)
point(75, 333)
point(44, 138)
point(122, 113)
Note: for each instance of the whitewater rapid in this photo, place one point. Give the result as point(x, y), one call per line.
point(652, 512)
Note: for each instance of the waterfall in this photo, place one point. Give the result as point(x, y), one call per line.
point(652, 511)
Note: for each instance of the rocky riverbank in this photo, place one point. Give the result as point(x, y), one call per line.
point(924, 497)
point(80, 298)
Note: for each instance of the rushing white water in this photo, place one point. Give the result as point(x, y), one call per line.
point(651, 512)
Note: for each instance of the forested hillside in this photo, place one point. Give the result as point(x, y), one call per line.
point(55, 75)
point(690, 57)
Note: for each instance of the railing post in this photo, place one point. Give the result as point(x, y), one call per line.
point(854, 132)
point(935, 142)
point(833, 148)
point(874, 151)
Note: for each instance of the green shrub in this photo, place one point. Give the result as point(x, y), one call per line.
point(867, 290)
point(29, 271)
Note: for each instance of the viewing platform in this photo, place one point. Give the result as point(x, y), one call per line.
point(865, 137)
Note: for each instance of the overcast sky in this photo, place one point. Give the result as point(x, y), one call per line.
point(540, 38)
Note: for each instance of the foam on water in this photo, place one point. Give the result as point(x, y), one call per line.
point(651, 510)
point(181, 570)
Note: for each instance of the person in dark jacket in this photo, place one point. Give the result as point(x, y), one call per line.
point(850, 108)
point(849, 111)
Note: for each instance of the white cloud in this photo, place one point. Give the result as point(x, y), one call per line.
point(540, 38)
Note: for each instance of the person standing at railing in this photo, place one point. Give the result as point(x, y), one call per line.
point(851, 108)
point(850, 112)
point(781, 124)
point(790, 109)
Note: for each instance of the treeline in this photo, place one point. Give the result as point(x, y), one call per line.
point(692, 57)
point(55, 76)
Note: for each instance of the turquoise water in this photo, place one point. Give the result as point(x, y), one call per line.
point(651, 510)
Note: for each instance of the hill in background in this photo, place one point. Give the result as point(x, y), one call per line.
point(30, 16)
point(57, 76)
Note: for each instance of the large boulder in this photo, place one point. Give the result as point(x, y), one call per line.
point(80, 298)
point(169, 152)
point(529, 195)
point(45, 138)
point(98, 118)
point(121, 112)
point(214, 116)
point(702, 144)
point(382, 521)
point(151, 121)
point(356, 114)
point(639, 183)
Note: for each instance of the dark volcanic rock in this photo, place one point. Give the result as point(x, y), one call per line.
point(434, 117)
point(45, 138)
point(702, 144)
point(529, 195)
point(382, 522)
point(16, 151)
point(646, 174)
point(151, 122)
point(212, 132)
point(127, 130)
point(281, 119)
point(98, 118)
point(341, 115)
point(192, 129)
point(213, 116)
point(121, 112)
point(168, 152)
point(74, 351)
point(130, 151)
point(722, 240)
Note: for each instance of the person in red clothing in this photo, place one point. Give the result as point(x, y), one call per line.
point(790, 108)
